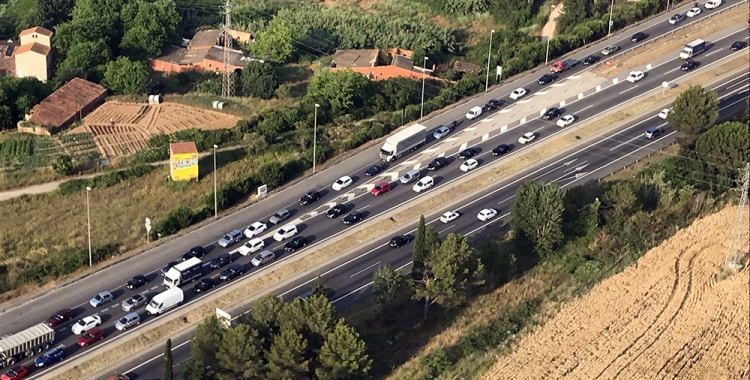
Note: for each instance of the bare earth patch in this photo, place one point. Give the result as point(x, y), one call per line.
point(548, 30)
point(669, 316)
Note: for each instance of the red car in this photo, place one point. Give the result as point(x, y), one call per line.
point(90, 337)
point(59, 318)
point(381, 188)
point(15, 373)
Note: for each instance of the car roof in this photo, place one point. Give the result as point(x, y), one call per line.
point(652, 129)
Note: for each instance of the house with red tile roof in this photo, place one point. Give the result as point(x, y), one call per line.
point(366, 62)
point(32, 57)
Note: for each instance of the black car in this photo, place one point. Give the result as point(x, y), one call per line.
point(231, 272)
point(739, 45)
point(689, 65)
point(205, 284)
point(309, 197)
point(374, 170)
point(547, 78)
point(590, 60)
point(638, 37)
point(167, 267)
point(491, 105)
point(437, 163)
point(137, 281)
point(220, 261)
point(398, 241)
point(501, 149)
point(468, 153)
point(336, 211)
point(551, 113)
point(353, 217)
point(295, 244)
point(197, 251)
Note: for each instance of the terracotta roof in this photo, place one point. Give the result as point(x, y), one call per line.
point(384, 72)
point(183, 147)
point(60, 107)
point(35, 47)
point(355, 58)
point(205, 39)
point(36, 29)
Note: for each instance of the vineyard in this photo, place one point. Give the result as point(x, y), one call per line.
point(16, 148)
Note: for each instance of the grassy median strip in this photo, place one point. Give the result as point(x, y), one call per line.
point(273, 275)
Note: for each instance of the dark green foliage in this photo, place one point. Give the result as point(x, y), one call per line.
point(277, 41)
point(537, 212)
point(725, 147)
point(105, 180)
point(258, 80)
point(319, 288)
point(124, 76)
point(87, 59)
point(437, 362)
point(148, 25)
point(177, 219)
point(17, 148)
point(54, 12)
point(500, 329)
point(340, 91)
point(63, 164)
point(575, 12)
point(270, 174)
point(17, 96)
point(229, 194)
point(66, 262)
point(695, 111)
point(421, 250)
point(343, 355)
point(168, 360)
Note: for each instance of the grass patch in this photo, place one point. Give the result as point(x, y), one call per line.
point(240, 107)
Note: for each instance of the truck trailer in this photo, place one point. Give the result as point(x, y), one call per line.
point(403, 142)
point(184, 272)
point(692, 49)
point(26, 343)
point(560, 66)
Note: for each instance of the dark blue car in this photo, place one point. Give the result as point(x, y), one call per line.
point(49, 357)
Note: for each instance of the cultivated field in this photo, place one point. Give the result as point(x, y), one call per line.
point(134, 123)
point(672, 316)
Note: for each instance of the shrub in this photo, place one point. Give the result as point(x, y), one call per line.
point(105, 180)
point(64, 263)
point(63, 164)
point(271, 174)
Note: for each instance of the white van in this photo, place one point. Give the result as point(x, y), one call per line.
point(423, 184)
point(165, 301)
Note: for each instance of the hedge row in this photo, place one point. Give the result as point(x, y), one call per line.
point(64, 263)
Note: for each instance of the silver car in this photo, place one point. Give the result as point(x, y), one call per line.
point(134, 302)
point(610, 49)
point(279, 216)
point(101, 298)
point(231, 238)
point(128, 321)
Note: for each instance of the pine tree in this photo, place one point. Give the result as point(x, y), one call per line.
point(286, 357)
point(343, 355)
point(239, 354)
point(168, 360)
point(420, 248)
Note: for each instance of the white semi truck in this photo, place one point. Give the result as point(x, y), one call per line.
point(184, 272)
point(403, 142)
point(26, 343)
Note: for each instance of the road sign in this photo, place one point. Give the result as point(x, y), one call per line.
point(608, 63)
point(262, 191)
point(148, 225)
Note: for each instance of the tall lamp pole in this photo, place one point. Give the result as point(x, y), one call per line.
point(611, 8)
point(424, 69)
point(489, 55)
point(315, 133)
point(88, 222)
point(216, 202)
point(546, 57)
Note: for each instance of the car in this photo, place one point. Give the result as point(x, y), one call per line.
point(590, 60)
point(677, 18)
point(15, 373)
point(738, 45)
point(712, 4)
point(423, 184)
point(398, 241)
point(197, 251)
point(295, 244)
point(374, 170)
point(205, 284)
point(469, 164)
point(547, 78)
point(342, 183)
point(50, 357)
point(441, 132)
point(635, 76)
point(128, 321)
point(610, 49)
point(500, 150)
point(118, 377)
point(565, 121)
point(101, 298)
point(86, 324)
point(231, 272)
point(474, 113)
point(262, 258)
point(653, 132)
point(437, 163)
point(220, 261)
point(449, 216)
point(638, 37)
point(664, 114)
point(59, 318)
point(309, 197)
point(517, 93)
point(134, 302)
point(90, 337)
point(468, 153)
point(336, 211)
point(279, 216)
point(492, 104)
point(136, 282)
point(255, 229)
point(551, 113)
point(381, 188)
point(285, 232)
point(353, 217)
point(527, 138)
point(167, 267)
point(694, 11)
point(487, 214)
point(254, 245)
point(689, 65)
point(231, 238)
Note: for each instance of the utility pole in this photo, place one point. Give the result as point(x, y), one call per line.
point(741, 230)
point(489, 55)
point(227, 84)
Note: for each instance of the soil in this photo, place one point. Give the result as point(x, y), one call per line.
point(676, 314)
point(549, 28)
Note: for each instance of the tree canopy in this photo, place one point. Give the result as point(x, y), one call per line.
point(258, 80)
point(124, 76)
point(339, 91)
point(537, 212)
point(695, 111)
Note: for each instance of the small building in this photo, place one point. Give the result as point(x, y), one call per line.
point(32, 56)
point(183, 161)
point(466, 67)
point(7, 59)
point(355, 58)
point(205, 52)
point(365, 62)
point(74, 99)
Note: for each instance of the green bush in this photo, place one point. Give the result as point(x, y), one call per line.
point(104, 180)
point(17, 148)
point(271, 174)
point(229, 194)
point(64, 263)
point(481, 338)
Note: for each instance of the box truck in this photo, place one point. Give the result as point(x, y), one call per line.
point(560, 66)
point(184, 272)
point(403, 142)
point(165, 301)
point(26, 343)
point(692, 49)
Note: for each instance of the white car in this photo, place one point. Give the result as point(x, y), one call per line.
point(665, 113)
point(694, 11)
point(449, 217)
point(635, 76)
point(342, 183)
point(610, 49)
point(565, 121)
point(423, 184)
point(255, 229)
point(253, 245)
point(713, 4)
point(487, 214)
point(517, 93)
point(441, 132)
point(526, 138)
point(469, 164)
point(285, 232)
point(473, 113)
point(86, 324)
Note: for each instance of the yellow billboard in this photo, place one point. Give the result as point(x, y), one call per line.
point(184, 166)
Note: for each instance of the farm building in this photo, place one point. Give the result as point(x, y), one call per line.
point(205, 52)
point(366, 62)
point(73, 100)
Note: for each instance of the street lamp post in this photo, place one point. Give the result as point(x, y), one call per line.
point(424, 69)
point(216, 202)
point(611, 8)
point(315, 133)
point(489, 56)
point(88, 222)
point(546, 57)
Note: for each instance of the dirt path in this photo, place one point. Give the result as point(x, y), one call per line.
point(549, 28)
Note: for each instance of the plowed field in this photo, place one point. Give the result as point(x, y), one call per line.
point(669, 317)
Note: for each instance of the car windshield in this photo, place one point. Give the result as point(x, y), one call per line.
point(226, 237)
point(98, 297)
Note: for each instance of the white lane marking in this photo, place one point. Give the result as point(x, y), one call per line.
point(628, 142)
point(736, 84)
point(450, 139)
point(715, 51)
point(446, 229)
point(483, 121)
point(471, 128)
point(392, 176)
point(463, 146)
point(574, 76)
point(506, 110)
point(363, 207)
point(485, 137)
point(523, 101)
point(629, 88)
point(430, 150)
point(541, 93)
point(585, 108)
point(558, 84)
point(363, 270)
point(417, 166)
point(671, 71)
point(348, 196)
point(506, 199)
point(441, 154)
point(504, 129)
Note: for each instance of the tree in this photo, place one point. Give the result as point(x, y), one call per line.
point(319, 288)
point(168, 360)
point(239, 354)
point(148, 25)
point(537, 212)
point(205, 344)
point(63, 164)
point(286, 357)
point(343, 355)
point(385, 284)
point(419, 254)
point(726, 145)
point(399, 92)
point(277, 41)
point(339, 91)
point(695, 111)
point(258, 80)
point(55, 12)
point(124, 76)
point(87, 59)
point(574, 12)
